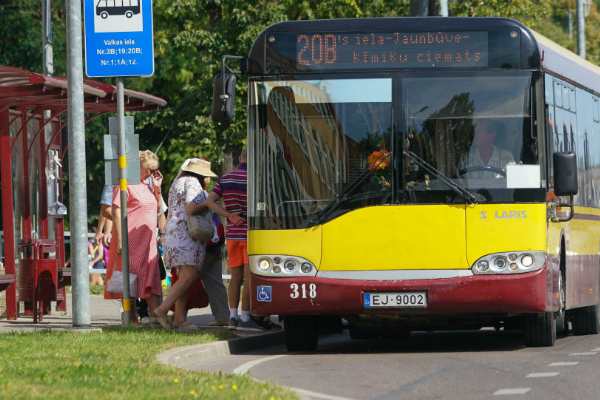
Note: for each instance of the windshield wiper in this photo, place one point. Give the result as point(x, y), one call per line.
point(469, 196)
point(330, 209)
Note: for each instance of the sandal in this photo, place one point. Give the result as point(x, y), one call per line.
point(162, 320)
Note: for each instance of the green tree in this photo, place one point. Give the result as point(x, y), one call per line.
point(530, 12)
point(191, 36)
point(21, 33)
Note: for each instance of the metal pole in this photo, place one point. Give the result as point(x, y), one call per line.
point(581, 28)
point(48, 61)
point(47, 37)
point(126, 317)
point(444, 8)
point(77, 168)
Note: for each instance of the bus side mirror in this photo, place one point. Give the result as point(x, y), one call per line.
point(565, 174)
point(223, 101)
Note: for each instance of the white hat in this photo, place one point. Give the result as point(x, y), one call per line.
point(198, 166)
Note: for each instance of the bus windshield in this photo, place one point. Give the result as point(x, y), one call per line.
point(324, 147)
point(474, 129)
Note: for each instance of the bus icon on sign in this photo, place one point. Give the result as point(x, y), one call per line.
point(118, 16)
point(128, 8)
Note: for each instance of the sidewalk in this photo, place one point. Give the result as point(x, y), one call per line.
point(104, 313)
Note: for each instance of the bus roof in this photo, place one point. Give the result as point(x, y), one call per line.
point(567, 64)
point(537, 51)
point(530, 58)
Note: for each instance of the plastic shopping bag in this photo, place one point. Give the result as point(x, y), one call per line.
point(115, 284)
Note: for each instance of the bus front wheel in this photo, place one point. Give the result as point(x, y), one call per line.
point(104, 14)
point(129, 14)
point(301, 333)
point(540, 330)
point(586, 320)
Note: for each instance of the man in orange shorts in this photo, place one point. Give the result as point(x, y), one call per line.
point(231, 188)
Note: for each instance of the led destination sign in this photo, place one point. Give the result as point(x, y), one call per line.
point(391, 50)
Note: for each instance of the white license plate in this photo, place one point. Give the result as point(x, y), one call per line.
point(395, 299)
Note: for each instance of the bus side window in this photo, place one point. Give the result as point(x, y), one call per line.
point(566, 98)
point(557, 94)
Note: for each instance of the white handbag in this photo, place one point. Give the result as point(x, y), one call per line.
point(200, 227)
point(115, 284)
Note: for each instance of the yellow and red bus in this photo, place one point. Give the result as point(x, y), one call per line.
point(422, 173)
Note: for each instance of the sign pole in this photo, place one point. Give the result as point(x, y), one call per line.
point(119, 42)
point(77, 169)
point(127, 306)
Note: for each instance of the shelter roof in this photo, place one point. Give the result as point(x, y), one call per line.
point(21, 89)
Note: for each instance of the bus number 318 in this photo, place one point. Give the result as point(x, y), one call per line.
point(303, 291)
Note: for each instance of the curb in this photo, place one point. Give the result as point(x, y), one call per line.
point(183, 357)
point(46, 329)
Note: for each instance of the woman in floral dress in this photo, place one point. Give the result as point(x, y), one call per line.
point(181, 251)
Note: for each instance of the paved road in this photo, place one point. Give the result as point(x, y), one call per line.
point(441, 365)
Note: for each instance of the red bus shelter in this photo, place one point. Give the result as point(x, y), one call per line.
point(32, 150)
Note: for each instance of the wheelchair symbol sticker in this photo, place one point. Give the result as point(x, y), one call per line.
point(264, 294)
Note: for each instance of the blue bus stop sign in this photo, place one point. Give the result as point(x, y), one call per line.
point(118, 38)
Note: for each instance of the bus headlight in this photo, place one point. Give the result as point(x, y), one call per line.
point(264, 264)
point(281, 265)
point(483, 265)
point(290, 265)
point(527, 260)
point(513, 262)
point(499, 263)
point(306, 268)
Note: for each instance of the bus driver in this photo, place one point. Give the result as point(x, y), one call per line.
point(484, 159)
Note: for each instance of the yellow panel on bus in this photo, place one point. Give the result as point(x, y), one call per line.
point(583, 232)
point(396, 237)
point(493, 228)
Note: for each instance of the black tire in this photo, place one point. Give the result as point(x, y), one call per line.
point(513, 324)
point(540, 330)
point(104, 15)
point(129, 14)
point(301, 333)
point(585, 321)
point(561, 319)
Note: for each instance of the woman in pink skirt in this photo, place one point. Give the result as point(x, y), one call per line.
point(142, 212)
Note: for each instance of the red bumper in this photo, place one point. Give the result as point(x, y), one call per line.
point(484, 294)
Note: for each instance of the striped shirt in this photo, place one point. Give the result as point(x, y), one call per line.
point(232, 189)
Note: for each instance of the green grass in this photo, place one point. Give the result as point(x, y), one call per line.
point(114, 364)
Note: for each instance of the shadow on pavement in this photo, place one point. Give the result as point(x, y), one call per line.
point(417, 342)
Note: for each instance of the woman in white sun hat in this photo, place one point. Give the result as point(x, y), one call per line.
point(181, 250)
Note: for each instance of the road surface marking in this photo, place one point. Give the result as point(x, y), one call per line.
point(511, 392)
point(245, 367)
point(596, 349)
point(586, 353)
point(563, 364)
point(315, 395)
point(542, 374)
